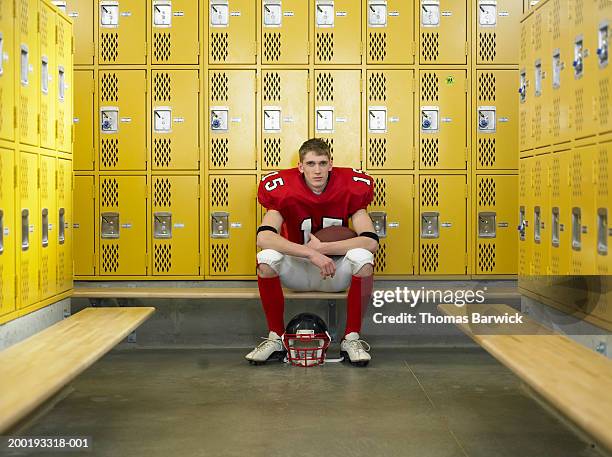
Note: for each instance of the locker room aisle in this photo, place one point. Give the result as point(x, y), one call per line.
point(425, 402)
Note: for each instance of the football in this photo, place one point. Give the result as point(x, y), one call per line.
point(335, 233)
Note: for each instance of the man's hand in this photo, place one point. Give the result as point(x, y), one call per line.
point(325, 264)
point(314, 243)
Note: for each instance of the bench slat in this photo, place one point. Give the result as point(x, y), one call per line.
point(574, 379)
point(35, 369)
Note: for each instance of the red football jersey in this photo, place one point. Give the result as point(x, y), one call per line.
point(347, 191)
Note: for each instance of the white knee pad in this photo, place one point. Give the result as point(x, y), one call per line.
point(271, 258)
point(359, 257)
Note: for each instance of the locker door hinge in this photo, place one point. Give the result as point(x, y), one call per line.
point(308, 84)
point(146, 189)
point(308, 48)
point(256, 84)
point(198, 192)
point(56, 128)
point(73, 47)
point(361, 85)
point(467, 84)
point(467, 48)
point(38, 124)
point(38, 178)
point(15, 117)
point(92, 51)
point(413, 155)
point(413, 48)
point(56, 180)
point(466, 261)
point(94, 263)
point(413, 85)
point(467, 152)
point(14, 8)
point(361, 49)
point(15, 176)
point(199, 85)
point(146, 83)
point(37, 22)
point(412, 190)
point(467, 189)
point(198, 49)
point(146, 45)
point(147, 263)
point(256, 49)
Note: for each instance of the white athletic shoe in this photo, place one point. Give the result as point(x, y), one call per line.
point(271, 348)
point(355, 350)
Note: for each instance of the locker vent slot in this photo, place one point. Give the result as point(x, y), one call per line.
point(576, 176)
point(218, 42)
point(24, 181)
point(603, 4)
point(272, 152)
point(377, 87)
point(110, 152)
point(556, 19)
point(325, 87)
point(430, 45)
point(162, 87)
point(219, 194)
point(602, 174)
point(219, 152)
point(220, 257)
point(578, 12)
point(523, 128)
point(61, 268)
point(487, 46)
point(579, 104)
point(429, 257)
point(42, 27)
point(110, 47)
point(330, 143)
point(24, 124)
point(523, 43)
point(24, 17)
point(218, 87)
point(44, 109)
point(60, 127)
point(522, 181)
point(486, 192)
point(556, 117)
point(110, 193)
point(272, 87)
point(378, 152)
point(429, 87)
point(44, 274)
point(44, 188)
point(162, 46)
point(162, 193)
point(556, 178)
point(486, 152)
point(162, 257)
point(325, 46)
point(486, 84)
point(486, 257)
point(537, 179)
point(110, 87)
point(110, 257)
point(378, 46)
point(380, 258)
point(272, 46)
point(25, 279)
point(429, 192)
point(60, 42)
point(604, 109)
point(162, 148)
point(537, 32)
point(380, 192)
point(536, 126)
point(429, 152)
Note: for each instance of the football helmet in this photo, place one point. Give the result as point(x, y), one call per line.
point(306, 339)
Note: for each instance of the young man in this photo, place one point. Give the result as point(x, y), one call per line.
point(301, 201)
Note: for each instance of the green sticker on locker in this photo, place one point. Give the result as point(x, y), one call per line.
point(450, 80)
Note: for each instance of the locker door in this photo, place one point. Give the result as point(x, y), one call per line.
point(603, 207)
point(443, 138)
point(442, 226)
point(48, 227)
point(559, 218)
point(525, 87)
point(7, 71)
point(284, 117)
point(284, 28)
point(122, 32)
point(8, 232)
point(391, 212)
point(496, 120)
point(390, 30)
point(541, 67)
point(122, 105)
point(337, 31)
point(29, 70)
point(390, 120)
point(540, 210)
point(562, 76)
point(82, 14)
point(84, 225)
point(63, 75)
point(525, 217)
point(64, 232)
point(232, 119)
point(175, 122)
point(232, 225)
point(496, 24)
point(443, 32)
point(48, 75)
point(175, 222)
point(495, 225)
point(337, 116)
point(123, 226)
point(175, 32)
point(28, 219)
point(84, 148)
point(232, 31)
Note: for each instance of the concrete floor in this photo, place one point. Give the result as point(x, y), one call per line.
point(408, 402)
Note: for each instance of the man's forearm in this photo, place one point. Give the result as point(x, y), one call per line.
point(341, 247)
point(271, 240)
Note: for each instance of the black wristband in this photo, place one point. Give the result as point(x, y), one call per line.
point(372, 235)
point(264, 228)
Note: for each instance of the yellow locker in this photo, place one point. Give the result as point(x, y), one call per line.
point(122, 32)
point(443, 110)
point(64, 97)
point(525, 236)
point(562, 73)
point(541, 67)
point(29, 70)
point(599, 23)
point(496, 121)
point(540, 210)
point(284, 116)
point(496, 221)
point(391, 212)
point(7, 71)
point(337, 116)
point(123, 226)
point(232, 119)
point(84, 148)
point(231, 31)
point(525, 87)
point(559, 217)
point(583, 228)
point(443, 32)
point(442, 224)
point(48, 74)
point(82, 14)
point(337, 31)
point(497, 22)
point(175, 32)
point(48, 227)
point(175, 222)
point(232, 213)
point(284, 31)
point(175, 123)
point(390, 31)
point(603, 206)
point(64, 226)
point(83, 226)
point(29, 222)
point(122, 112)
point(390, 120)
point(8, 233)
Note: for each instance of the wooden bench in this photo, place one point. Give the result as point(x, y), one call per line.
point(573, 379)
point(35, 369)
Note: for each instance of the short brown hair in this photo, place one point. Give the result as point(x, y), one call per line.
point(317, 145)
